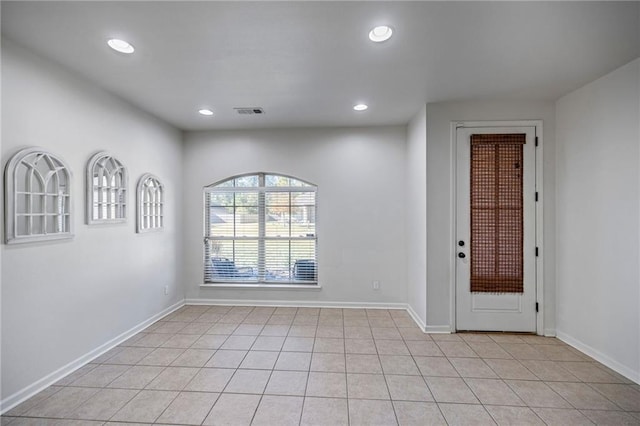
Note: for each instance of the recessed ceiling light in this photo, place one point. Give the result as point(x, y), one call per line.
point(360, 107)
point(120, 45)
point(205, 111)
point(380, 33)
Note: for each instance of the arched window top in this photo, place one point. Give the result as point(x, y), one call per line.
point(150, 193)
point(106, 189)
point(149, 181)
point(255, 180)
point(38, 197)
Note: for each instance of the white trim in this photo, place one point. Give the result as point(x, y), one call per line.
point(540, 228)
point(539, 160)
point(549, 332)
point(414, 316)
point(158, 211)
point(10, 234)
point(89, 190)
point(232, 189)
point(453, 182)
point(297, 303)
point(600, 357)
point(261, 286)
point(27, 392)
point(438, 329)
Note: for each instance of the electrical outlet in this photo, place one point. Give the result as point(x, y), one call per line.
point(375, 284)
point(166, 290)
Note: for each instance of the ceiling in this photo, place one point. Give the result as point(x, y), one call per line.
point(307, 63)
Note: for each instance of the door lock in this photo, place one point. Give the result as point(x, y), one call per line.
point(461, 243)
point(462, 255)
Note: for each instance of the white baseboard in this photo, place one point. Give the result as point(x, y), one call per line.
point(297, 303)
point(438, 329)
point(549, 332)
point(29, 391)
point(313, 304)
point(600, 357)
point(416, 318)
point(22, 395)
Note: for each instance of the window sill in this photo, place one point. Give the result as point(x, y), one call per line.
point(264, 286)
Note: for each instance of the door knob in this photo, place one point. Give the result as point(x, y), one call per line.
point(462, 255)
point(461, 243)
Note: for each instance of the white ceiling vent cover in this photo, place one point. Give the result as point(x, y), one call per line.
point(249, 110)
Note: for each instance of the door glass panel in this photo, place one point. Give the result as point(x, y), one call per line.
point(496, 213)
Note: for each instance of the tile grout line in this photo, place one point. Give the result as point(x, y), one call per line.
point(264, 322)
point(230, 378)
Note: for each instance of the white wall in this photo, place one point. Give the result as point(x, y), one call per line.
point(61, 300)
point(361, 206)
point(416, 210)
point(598, 168)
point(439, 244)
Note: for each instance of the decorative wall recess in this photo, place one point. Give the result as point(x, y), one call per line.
point(37, 197)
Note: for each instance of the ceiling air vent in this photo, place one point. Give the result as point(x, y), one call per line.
point(249, 110)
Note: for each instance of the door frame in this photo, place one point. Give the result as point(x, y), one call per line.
point(539, 208)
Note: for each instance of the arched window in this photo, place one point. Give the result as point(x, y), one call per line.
point(38, 197)
point(150, 194)
point(260, 228)
point(106, 190)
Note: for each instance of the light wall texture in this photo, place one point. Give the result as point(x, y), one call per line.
point(416, 215)
point(381, 192)
point(361, 206)
point(598, 230)
point(439, 193)
point(63, 299)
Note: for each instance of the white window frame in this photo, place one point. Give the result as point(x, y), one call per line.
point(150, 205)
point(261, 189)
point(58, 177)
point(116, 211)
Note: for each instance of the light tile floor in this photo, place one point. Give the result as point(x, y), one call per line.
point(219, 365)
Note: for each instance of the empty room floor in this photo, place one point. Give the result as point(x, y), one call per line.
point(219, 365)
